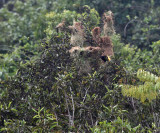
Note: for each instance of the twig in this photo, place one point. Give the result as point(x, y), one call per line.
point(69, 115)
point(125, 28)
point(91, 118)
point(73, 108)
point(85, 95)
point(132, 101)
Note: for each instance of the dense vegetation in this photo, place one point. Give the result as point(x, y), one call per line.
point(41, 89)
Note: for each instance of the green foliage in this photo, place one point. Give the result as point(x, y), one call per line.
point(23, 19)
point(47, 91)
point(149, 90)
point(10, 62)
point(118, 125)
point(45, 121)
point(146, 28)
point(136, 21)
point(53, 82)
point(89, 17)
point(138, 26)
point(134, 58)
point(53, 19)
point(17, 56)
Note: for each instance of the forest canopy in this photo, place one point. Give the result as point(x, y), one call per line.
point(79, 66)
